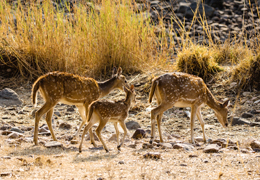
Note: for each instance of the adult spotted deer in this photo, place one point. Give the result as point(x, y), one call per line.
point(184, 90)
point(73, 90)
point(102, 112)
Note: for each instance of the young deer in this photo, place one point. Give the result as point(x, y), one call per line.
point(102, 112)
point(184, 90)
point(73, 90)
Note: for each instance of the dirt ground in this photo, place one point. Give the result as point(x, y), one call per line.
point(20, 159)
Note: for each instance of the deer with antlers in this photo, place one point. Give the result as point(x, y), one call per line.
point(184, 90)
point(72, 90)
point(102, 112)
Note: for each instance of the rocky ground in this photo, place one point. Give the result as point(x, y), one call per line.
point(230, 153)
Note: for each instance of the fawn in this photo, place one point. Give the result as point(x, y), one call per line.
point(73, 90)
point(184, 90)
point(102, 112)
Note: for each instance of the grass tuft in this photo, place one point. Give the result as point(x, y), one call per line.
point(247, 74)
point(197, 60)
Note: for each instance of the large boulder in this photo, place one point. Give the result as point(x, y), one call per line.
point(202, 7)
point(8, 97)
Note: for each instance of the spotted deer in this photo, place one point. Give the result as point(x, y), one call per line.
point(72, 90)
point(103, 111)
point(184, 90)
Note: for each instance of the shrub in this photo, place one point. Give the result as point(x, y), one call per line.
point(197, 60)
point(247, 74)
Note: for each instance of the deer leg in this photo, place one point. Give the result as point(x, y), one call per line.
point(193, 116)
point(83, 112)
point(122, 124)
point(92, 121)
point(44, 109)
point(48, 120)
point(92, 140)
point(159, 119)
point(202, 123)
point(154, 113)
point(98, 131)
point(117, 133)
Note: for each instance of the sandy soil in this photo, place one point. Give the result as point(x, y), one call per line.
point(20, 159)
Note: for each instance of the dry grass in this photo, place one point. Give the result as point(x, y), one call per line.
point(90, 41)
point(247, 74)
point(197, 60)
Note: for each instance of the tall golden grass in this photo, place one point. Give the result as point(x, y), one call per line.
point(90, 41)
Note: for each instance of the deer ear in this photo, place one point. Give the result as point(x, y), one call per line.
point(114, 71)
point(119, 71)
point(226, 103)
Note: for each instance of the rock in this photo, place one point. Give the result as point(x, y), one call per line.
point(247, 115)
point(43, 130)
point(6, 157)
point(53, 144)
point(15, 129)
point(186, 147)
point(74, 141)
point(38, 161)
point(147, 146)
point(215, 3)
point(257, 101)
point(208, 10)
point(5, 127)
point(152, 155)
point(238, 121)
point(255, 144)
point(255, 111)
point(139, 134)
point(26, 128)
point(57, 113)
point(183, 6)
point(132, 125)
point(15, 135)
point(65, 125)
point(165, 145)
point(121, 162)
point(48, 133)
point(6, 132)
point(211, 148)
point(8, 97)
point(4, 174)
point(257, 120)
point(70, 109)
point(199, 139)
point(255, 124)
point(193, 155)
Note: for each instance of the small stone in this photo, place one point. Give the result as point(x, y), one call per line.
point(165, 145)
point(186, 147)
point(147, 146)
point(238, 121)
point(152, 155)
point(211, 148)
point(38, 161)
point(4, 174)
point(255, 144)
point(5, 127)
point(6, 157)
point(65, 125)
point(6, 132)
point(70, 109)
point(193, 155)
point(139, 134)
point(53, 144)
point(8, 97)
point(247, 115)
point(183, 164)
point(74, 141)
point(15, 135)
point(121, 162)
point(15, 129)
point(257, 120)
point(132, 125)
point(199, 139)
point(28, 128)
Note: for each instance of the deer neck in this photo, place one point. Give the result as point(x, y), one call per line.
point(106, 86)
point(212, 102)
point(128, 100)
